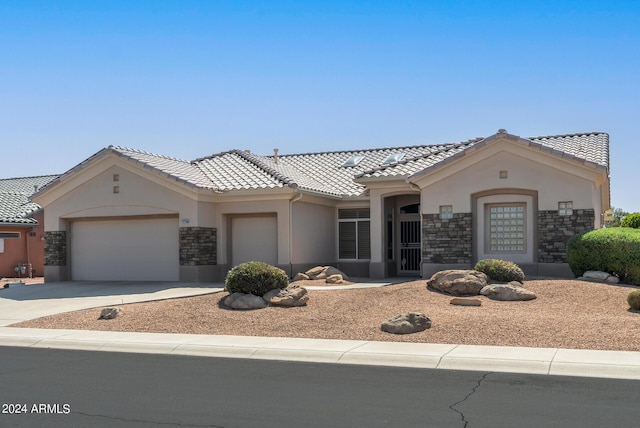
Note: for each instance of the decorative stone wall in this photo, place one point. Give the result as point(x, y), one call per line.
point(198, 246)
point(554, 232)
point(447, 241)
point(55, 248)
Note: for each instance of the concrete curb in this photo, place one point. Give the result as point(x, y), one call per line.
point(542, 361)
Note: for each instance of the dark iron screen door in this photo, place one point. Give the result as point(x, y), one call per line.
point(410, 248)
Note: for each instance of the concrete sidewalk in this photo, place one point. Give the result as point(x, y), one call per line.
point(21, 303)
point(543, 361)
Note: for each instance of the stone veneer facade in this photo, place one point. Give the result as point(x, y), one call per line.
point(554, 231)
point(447, 241)
point(198, 246)
point(55, 248)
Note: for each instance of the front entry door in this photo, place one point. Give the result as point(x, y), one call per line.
point(410, 248)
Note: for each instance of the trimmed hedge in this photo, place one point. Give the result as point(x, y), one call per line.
point(614, 250)
point(255, 278)
point(500, 270)
point(631, 220)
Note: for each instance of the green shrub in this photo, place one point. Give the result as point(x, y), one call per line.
point(614, 250)
point(255, 278)
point(633, 299)
point(631, 220)
point(500, 270)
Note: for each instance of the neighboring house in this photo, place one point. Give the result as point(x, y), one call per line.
point(21, 227)
point(125, 214)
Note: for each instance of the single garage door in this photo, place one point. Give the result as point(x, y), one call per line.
point(254, 239)
point(119, 250)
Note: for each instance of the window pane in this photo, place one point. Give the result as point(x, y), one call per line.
point(347, 214)
point(506, 228)
point(364, 240)
point(347, 240)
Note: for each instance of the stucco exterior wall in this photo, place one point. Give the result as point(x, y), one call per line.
point(29, 248)
point(551, 179)
point(313, 233)
point(137, 196)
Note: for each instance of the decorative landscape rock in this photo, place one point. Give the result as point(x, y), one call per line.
point(334, 279)
point(245, 301)
point(458, 282)
point(511, 291)
point(109, 313)
point(598, 276)
point(459, 301)
point(293, 295)
point(411, 322)
point(322, 272)
point(300, 277)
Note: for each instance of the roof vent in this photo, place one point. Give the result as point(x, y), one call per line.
point(393, 158)
point(502, 131)
point(353, 160)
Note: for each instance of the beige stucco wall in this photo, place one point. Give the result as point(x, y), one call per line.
point(313, 233)
point(93, 196)
point(554, 181)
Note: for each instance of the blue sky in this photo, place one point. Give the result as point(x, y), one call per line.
point(193, 78)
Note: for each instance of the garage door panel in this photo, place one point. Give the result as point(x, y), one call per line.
point(254, 239)
point(114, 250)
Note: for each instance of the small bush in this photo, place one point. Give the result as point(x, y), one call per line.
point(255, 278)
point(631, 220)
point(500, 270)
point(633, 299)
point(614, 250)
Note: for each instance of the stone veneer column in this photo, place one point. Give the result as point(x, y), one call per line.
point(55, 248)
point(447, 241)
point(198, 246)
point(554, 231)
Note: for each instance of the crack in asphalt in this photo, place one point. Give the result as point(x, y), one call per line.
point(176, 424)
point(473, 391)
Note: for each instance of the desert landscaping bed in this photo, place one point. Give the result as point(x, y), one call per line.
point(567, 314)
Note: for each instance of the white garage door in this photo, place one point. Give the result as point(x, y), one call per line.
point(254, 239)
point(118, 250)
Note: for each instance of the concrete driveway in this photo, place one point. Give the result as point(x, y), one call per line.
point(25, 302)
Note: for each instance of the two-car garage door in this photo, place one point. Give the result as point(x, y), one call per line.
point(133, 249)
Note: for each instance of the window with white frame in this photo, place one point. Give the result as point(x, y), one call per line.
point(506, 225)
point(565, 208)
point(354, 237)
point(446, 212)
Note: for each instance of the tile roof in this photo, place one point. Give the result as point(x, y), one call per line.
point(588, 148)
point(324, 172)
point(15, 206)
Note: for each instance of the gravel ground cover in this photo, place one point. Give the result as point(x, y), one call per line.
point(567, 314)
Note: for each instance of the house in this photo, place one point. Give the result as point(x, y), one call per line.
point(126, 214)
point(21, 227)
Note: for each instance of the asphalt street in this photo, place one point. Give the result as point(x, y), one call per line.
point(51, 387)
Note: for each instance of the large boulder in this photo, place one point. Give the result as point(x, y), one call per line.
point(245, 301)
point(300, 277)
point(322, 272)
point(411, 322)
point(293, 295)
point(334, 279)
point(511, 291)
point(599, 276)
point(458, 282)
